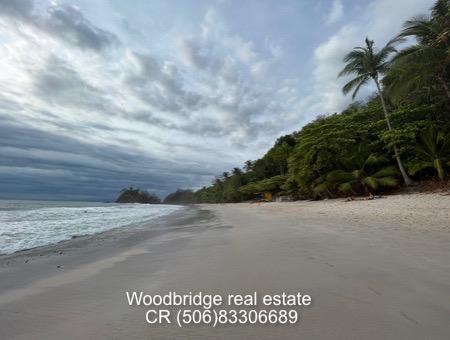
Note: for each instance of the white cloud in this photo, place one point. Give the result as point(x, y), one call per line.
point(216, 99)
point(382, 21)
point(328, 62)
point(210, 99)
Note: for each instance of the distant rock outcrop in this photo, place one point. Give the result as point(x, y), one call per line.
point(134, 195)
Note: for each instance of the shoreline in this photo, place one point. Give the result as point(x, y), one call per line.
point(374, 270)
point(331, 206)
point(85, 237)
point(87, 248)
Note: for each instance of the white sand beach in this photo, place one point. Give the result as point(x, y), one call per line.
point(375, 270)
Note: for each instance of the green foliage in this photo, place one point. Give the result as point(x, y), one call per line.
point(180, 197)
point(361, 149)
point(407, 120)
point(366, 63)
point(325, 144)
point(269, 184)
point(360, 175)
point(432, 150)
point(423, 68)
point(233, 187)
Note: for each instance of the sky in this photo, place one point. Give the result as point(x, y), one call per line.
point(97, 95)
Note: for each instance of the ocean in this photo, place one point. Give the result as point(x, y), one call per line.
point(29, 224)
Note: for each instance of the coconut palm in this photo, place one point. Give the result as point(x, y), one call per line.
point(432, 150)
point(236, 172)
point(249, 165)
point(368, 64)
point(426, 63)
point(362, 174)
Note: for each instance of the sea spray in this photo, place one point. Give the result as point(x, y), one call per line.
point(29, 224)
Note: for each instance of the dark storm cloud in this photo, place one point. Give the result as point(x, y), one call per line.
point(44, 164)
point(78, 124)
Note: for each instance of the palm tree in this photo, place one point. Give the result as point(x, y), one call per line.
point(367, 64)
point(362, 174)
point(248, 165)
point(432, 150)
point(236, 172)
point(427, 62)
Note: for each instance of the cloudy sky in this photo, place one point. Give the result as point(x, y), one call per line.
point(162, 94)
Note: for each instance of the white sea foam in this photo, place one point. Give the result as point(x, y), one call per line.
point(27, 224)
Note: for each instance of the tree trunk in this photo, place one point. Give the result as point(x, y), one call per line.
point(444, 84)
point(439, 169)
point(405, 176)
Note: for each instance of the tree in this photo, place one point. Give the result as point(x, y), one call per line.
point(236, 172)
point(432, 150)
point(426, 63)
point(180, 197)
point(278, 155)
point(248, 165)
point(269, 184)
point(368, 64)
point(361, 175)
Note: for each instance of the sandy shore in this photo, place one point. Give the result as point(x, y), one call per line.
point(375, 269)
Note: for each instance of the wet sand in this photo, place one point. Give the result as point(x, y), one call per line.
point(375, 270)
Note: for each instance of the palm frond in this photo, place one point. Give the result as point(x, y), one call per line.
point(345, 187)
point(358, 173)
point(371, 182)
point(388, 182)
point(418, 165)
point(338, 176)
point(355, 84)
point(386, 172)
point(374, 159)
point(320, 187)
point(365, 63)
point(418, 27)
point(440, 9)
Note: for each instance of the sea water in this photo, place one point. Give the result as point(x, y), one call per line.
point(29, 224)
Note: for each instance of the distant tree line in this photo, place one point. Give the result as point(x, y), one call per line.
point(180, 197)
point(399, 136)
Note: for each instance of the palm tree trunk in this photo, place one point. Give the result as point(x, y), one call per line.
point(405, 176)
point(439, 169)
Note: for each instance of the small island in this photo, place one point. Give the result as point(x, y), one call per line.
point(135, 195)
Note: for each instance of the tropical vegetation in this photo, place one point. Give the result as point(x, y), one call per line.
point(180, 196)
point(397, 137)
